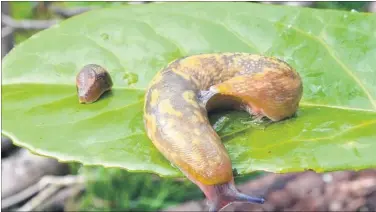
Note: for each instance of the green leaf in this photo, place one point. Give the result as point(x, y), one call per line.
point(334, 52)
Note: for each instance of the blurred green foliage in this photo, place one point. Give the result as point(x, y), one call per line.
point(34, 10)
point(359, 6)
point(115, 189)
point(90, 3)
point(30, 10)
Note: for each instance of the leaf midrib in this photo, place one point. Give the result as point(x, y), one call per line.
point(302, 103)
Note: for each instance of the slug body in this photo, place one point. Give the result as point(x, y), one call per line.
point(179, 98)
point(91, 82)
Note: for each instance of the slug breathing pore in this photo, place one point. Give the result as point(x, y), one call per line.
point(179, 97)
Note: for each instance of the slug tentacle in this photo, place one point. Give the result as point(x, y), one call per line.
point(205, 96)
point(178, 100)
point(221, 195)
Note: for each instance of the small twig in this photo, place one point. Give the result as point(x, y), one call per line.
point(55, 181)
point(372, 7)
point(27, 24)
point(69, 12)
point(37, 200)
point(19, 197)
point(6, 31)
point(62, 198)
point(40, 6)
point(138, 2)
point(298, 3)
point(61, 180)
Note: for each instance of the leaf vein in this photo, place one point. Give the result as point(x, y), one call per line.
point(105, 49)
point(365, 124)
point(339, 62)
point(181, 49)
point(251, 46)
point(92, 117)
point(334, 107)
point(49, 103)
point(321, 138)
point(249, 43)
point(113, 140)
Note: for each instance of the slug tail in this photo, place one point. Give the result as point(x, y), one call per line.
point(221, 195)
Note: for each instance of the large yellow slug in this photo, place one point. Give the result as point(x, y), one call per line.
point(176, 112)
point(176, 108)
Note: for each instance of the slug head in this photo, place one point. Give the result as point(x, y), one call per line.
point(91, 82)
point(272, 93)
point(279, 94)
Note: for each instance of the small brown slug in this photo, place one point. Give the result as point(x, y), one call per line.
point(91, 82)
point(179, 97)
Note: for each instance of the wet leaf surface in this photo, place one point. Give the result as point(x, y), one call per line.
point(333, 51)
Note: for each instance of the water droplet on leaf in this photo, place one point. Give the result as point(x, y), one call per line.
point(221, 123)
point(131, 78)
point(105, 36)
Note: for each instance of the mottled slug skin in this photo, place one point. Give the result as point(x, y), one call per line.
point(176, 118)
